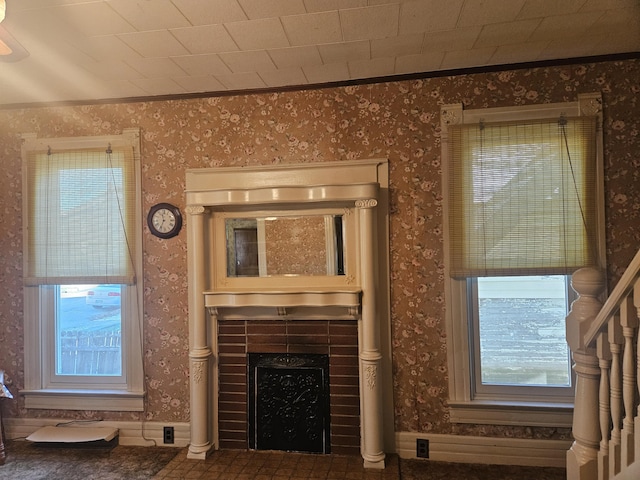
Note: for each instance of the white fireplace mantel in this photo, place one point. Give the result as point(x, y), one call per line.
point(359, 192)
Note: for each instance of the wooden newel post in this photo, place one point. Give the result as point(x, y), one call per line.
point(582, 457)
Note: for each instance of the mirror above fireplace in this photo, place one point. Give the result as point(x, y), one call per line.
point(279, 245)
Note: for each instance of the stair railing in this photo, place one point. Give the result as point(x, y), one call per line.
point(605, 347)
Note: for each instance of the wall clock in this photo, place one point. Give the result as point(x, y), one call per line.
point(164, 220)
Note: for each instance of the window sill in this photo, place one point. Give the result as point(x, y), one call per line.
point(105, 400)
point(538, 414)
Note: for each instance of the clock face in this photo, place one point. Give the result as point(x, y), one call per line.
point(164, 220)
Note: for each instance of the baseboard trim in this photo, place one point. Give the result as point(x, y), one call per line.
point(444, 448)
point(488, 450)
point(146, 434)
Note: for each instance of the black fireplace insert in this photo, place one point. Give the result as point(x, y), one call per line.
point(289, 402)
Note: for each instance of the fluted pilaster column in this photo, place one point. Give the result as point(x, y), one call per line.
point(199, 350)
point(370, 356)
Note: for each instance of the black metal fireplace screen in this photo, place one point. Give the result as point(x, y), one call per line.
point(289, 402)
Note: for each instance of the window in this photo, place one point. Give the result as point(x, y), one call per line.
point(83, 301)
point(523, 211)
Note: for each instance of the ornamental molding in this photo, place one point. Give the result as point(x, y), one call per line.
point(369, 203)
point(590, 104)
point(451, 114)
point(371, 374)
point(197, 371)
point(194, 209)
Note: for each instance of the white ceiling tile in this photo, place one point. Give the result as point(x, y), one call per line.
point(592, 5)
point(147, 15)
point(506, 33)
point(620, 42)
point(287, 76)
point(107, 47)
point(545, 8)
point(564, 26)
point(66, 55)
point(258, 34)
point(489, 11)
point(289, 40)
point(370, 22)
point(273, 8)
point(200, 65)
point(158, 86)
point(397, 46)
point(156, 67)
point(204, 83)
point(313, 6)
point(47, 25)
point(624, 20)
point(29, 83)
point(382, 2)
point(159, 43)
point(518, 53)
point(428, 16)
point(204, 12)
point(458, 39)
point(467, 58)
point(333, 72)
point(112, 69)
point(124, 89)
point(205, 39)
point(96, 18)
point(345, 52)
point(241, 81)
point(567, 48)
point(241, 62)
point(313, 28)
point(377, 67)
point(21, 5)
point(425, 62)
point(327, 5)
point(295, 57)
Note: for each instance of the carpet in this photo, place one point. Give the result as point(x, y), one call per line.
point(27, 461)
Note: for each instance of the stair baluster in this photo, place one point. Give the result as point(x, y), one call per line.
point(604, 360)
point(615, 342)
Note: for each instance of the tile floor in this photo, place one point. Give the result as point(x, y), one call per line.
point(262, 465)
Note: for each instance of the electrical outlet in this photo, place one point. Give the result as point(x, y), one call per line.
point(422, 448)
point(168, 434)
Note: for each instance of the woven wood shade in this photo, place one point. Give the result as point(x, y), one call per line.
point(522, 197)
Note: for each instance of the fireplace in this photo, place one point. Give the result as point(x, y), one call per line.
point(289, 402)
point(331, 299)
point(334, 340)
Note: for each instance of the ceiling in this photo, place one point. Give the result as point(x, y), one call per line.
point(78, 50)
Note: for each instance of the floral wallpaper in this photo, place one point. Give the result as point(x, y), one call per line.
point(398, 120)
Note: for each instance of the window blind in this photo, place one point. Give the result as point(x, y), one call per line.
point(80, 217)
point(522, 197)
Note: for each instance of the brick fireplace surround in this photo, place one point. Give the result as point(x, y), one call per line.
point(336, 338)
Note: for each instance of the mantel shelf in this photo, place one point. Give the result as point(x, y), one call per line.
point(282, 299)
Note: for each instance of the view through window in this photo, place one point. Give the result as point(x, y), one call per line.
point(88, 330)
point(521, 326)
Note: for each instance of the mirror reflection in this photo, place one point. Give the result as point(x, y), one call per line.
point(310, 245)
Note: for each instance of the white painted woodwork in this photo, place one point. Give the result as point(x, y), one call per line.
point(607, 443)
point(359, 191)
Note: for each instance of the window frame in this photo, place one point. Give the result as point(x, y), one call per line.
point(513, 406)
point(42, 389)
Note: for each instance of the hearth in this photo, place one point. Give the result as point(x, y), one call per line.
point(289, 402)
